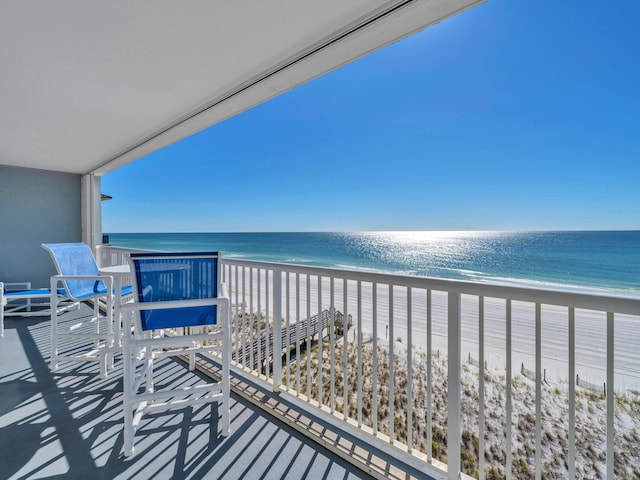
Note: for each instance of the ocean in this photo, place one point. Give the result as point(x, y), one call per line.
point(592, 261)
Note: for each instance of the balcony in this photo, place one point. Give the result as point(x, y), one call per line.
point(399, 376)
point(69, 424)
point(557, 395)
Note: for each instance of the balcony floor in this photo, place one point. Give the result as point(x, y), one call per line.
point(68, 424)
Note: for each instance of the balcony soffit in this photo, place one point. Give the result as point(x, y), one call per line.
point(90, 86)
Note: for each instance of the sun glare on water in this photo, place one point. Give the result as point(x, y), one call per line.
point(425, 252)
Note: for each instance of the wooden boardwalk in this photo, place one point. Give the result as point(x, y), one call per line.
point(259, 350)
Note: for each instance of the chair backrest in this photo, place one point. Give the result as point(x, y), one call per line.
point(173, 277)
point(73, 259)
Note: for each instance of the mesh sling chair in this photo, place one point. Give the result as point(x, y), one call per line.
point(179, 309)
point(78, 277)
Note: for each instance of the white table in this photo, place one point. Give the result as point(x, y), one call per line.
point(118, 272)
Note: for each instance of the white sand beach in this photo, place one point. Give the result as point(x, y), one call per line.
point(590, 352)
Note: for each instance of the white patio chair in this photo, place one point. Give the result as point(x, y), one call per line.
point(180, 308)
point(80, 281)
point(16, 300)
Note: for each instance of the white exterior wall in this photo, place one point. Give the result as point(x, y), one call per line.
point(36, 206)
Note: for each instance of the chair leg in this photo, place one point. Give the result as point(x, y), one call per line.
point(96, 315)
point(128, 424)
point(110, 361)
point(104, 359)
point(2, 305)
point(192, 361)
point(111, 339)
point(128, 379)
point(148, 369)
point(129, 448)
point(226, 381)
point(192, 355)
point(226, 414)
point(54, 326)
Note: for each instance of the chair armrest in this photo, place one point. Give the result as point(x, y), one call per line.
point(16, 285)
point(108, 281)
point(222, 301)
point(82, 277)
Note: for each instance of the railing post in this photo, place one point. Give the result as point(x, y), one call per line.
point(99, 254)
point(538, 393)
point(610, 393)
point(277, 330)
point(454, 403)
point(573, 381)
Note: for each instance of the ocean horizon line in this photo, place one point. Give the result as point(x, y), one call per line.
point(376, 231)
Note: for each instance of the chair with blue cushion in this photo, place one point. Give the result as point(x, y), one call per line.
point(79, 279)
point(16, 299)
point(180, 308)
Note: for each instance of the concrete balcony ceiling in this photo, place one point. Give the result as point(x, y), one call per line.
point(89, 86)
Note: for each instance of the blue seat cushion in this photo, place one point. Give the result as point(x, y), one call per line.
point(33, 293)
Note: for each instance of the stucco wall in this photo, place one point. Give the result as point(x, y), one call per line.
point(36, 206)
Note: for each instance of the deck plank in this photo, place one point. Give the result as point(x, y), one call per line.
point(68, 424)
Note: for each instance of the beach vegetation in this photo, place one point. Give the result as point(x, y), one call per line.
point(368, 383)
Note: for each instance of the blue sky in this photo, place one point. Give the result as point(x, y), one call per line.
point(514, 115)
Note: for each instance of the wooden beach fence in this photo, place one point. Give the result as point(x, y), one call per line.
point(476, 363)
point(600, 389)
point(592, 387)
point(531, 374)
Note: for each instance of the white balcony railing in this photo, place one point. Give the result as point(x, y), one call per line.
point(399, 358)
